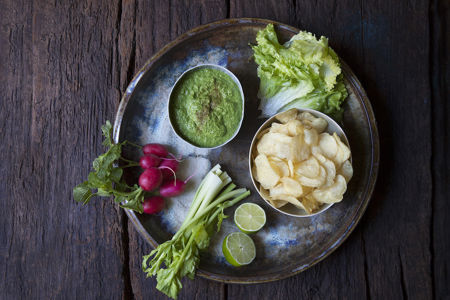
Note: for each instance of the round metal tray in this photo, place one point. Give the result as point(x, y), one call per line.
point(286, 245)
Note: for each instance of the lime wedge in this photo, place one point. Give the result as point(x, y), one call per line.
point(249, 217)
point(238, 249)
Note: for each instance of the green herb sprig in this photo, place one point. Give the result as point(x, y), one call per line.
point(106, 178)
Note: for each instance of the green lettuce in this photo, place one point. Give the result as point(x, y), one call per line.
point(302, 73)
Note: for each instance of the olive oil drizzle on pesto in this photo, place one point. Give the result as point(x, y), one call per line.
point(206, 107)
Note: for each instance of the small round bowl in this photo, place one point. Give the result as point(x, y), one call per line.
point(289, 209)
point(232, 76)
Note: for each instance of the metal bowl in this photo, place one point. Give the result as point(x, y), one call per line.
point(235, 80)
point(290, 209)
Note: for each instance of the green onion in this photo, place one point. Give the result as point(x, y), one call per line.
point(181, 254)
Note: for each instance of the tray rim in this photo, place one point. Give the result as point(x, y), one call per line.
point(373, 129)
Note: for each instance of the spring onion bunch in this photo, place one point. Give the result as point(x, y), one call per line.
point(180, 255)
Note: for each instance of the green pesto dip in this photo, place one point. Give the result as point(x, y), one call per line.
point(206, 107)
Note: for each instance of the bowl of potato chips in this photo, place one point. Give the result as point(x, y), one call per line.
point(300, 162)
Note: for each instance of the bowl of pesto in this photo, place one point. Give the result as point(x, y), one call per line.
point(206, 106)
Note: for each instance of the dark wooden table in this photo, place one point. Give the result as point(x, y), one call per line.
point(63, 68)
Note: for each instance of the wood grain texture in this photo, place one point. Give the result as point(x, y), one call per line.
point(281, 11)
point(63, 68)
point(57, 88)
point(440, 82)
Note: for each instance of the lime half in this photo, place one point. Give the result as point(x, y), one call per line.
point(238, 249)
point(249, 217)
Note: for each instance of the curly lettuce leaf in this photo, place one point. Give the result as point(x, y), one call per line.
point(302, 73)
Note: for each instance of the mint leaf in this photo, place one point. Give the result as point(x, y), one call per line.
point(116, 174)
point(95, 182)
point(105, 162)
point(133, 200)
point(82, 193)
point(103, 192)
point(107, 132)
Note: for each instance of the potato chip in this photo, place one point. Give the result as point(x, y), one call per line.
point(325, 197)
point(267, 176)
point(264, 193)
point(328, 145)
point(309, 168)
point(278, 193)
point(278, 203)
point(277, 190)
point(262, 132)
point(339, 187)
point(291, 187)
point(300, 150)
point(310, 136)
point(255, 174)
point(310, 203)
point(279, 165)
point(291, 200)
point(315, 150)
point(307, 190)
point(343, 152)
point(346, 170)
point(329, 167)
point(276, 144)
point(283, 146)
point(333, 193)
point(279, 128)
point(306, 116)
point(294, 127)
point(291, 168)
point(288, 115)
point(320, 158)
point(317, 123)
point(314, 181)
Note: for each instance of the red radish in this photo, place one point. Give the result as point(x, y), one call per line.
point(155, 149)
point(170, 188)
point(150, 179)
point(149, 161)
point(153, 205)
point(167, 166)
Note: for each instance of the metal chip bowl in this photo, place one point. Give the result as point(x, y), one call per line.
point(290, 209)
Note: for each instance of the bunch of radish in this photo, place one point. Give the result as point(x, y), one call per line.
point(159, 172)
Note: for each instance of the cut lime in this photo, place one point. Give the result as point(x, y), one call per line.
point(249, 217)
point(238, 249)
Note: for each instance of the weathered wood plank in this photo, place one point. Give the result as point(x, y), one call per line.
point(58, 86)
point(440, 82)
point(15, 67)
point(397, 229)
point(157, 23)
point(390, 249)
point(281, 11)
